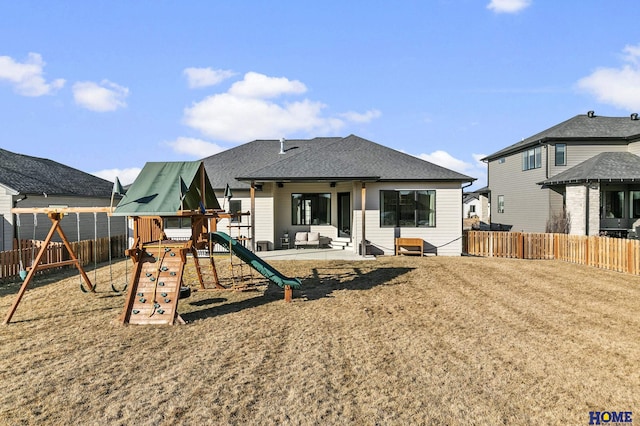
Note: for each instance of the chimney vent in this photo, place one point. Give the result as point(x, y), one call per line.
point(591, 114)
point(634, 116)
point(281, 145)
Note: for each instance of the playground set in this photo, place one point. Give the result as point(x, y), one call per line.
point(161, 190)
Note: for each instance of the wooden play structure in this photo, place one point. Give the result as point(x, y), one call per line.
point(156, 284)
point(55, 214)
point(162, 190)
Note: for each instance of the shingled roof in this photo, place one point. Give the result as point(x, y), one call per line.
point(581, 127)
point(32, 175)
point(604, 167)
point(321, 159)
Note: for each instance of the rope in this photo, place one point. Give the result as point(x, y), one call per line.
point(155, 281)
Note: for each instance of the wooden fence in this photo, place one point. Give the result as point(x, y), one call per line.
point(615, 254)
point(87, 251)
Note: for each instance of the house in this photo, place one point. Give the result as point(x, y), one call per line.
point(475, 210)
point(27, 181)
point(353, 191)
point(583, 173)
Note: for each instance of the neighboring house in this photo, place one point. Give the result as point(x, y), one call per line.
point(475, 210)
point(27, 181)
point(587, 166)
point(319, 185)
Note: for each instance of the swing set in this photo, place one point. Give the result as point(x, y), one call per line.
point(56, 214)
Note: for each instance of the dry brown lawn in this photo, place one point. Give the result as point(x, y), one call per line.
point(400, 340)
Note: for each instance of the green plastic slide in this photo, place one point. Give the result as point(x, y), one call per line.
point(254, 261)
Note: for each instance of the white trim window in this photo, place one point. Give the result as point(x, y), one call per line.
point(532, 158)
point(500, 203)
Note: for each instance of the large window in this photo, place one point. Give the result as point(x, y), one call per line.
point(235, 206)
point(500, 203)
point(177, 222)
point(614, 204)
point(561, 154)
point(310, 209)
point(532, 158)
point(408, 208)
point(635, 204)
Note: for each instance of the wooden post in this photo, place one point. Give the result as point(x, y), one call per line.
point(55, 226)
point(288, 293)
point(253, 216)
point(363, 204)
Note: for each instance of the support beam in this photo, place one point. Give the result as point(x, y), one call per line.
point(253, 216)
point(363, 203)
point(55, 227)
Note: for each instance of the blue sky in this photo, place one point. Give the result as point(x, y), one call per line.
point(105, 86)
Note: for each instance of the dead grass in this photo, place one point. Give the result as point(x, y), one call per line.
point(396, 341)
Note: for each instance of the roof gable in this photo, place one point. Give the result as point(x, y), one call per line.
point(580, 127)
point(350, 158)
point(33, 175)
point(606, 166)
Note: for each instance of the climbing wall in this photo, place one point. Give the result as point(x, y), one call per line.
point(155, 290)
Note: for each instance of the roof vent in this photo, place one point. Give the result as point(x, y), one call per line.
point(281, 145)
point(634, 116)
point(591, 114)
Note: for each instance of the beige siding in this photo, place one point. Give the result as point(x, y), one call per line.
point(577, 153)
point(634, 148)
point(526, 204)
point(444, 238)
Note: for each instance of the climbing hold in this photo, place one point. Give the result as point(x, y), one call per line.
point(156, 305)
point(140, 294)
point(148, 274)
point(172, 273)
point(135, 311)
point(167, 249)
point(172, 254)
point(167, 300)
point(163, 294)
point(152, 279)
point(142, 300)
point(161, 311)
point(164, 269)
point(161, 284)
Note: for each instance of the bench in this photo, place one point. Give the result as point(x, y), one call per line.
point(410, 246)
point(311, 239)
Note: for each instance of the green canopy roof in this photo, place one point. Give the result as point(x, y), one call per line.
point(163, 189)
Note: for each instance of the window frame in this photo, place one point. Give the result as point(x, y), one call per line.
point(395, 214)
point(309, 197)
point(500, 204)
point(564, 154)
point(532, 158)
point(237, 219)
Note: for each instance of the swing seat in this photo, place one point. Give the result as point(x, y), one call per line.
point(185, 292)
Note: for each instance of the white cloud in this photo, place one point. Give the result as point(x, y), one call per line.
point(195, 147)
point(125, 176)
point(248, 111)
point(476, 168)
point(27, 77)
point(508, 6)
point(619, 87)
point(105, 96)
point(204, 77)
point(366, 117)
point(255, 85)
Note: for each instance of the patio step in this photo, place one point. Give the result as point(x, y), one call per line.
point(341, 243)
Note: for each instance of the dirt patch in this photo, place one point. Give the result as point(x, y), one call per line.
point(401, 340)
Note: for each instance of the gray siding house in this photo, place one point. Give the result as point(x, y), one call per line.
point(27, 181)
point(347, 189)
point(588, 166)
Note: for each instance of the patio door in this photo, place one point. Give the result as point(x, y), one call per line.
point(344, 214)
